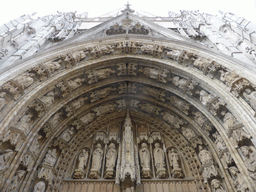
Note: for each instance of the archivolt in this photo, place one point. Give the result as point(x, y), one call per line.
point(148, 75)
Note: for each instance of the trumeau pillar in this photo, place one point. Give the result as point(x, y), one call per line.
point(128, 174)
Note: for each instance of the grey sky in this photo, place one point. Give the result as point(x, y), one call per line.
point(14, 8)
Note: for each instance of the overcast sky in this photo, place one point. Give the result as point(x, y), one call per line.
point(12, 9)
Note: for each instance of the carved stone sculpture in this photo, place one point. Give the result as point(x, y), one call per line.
point(97, 95)
point(175, 163)
point(75, 83)
point(234, 129)
point(180, 104)
point(96, 75)
point(111, 161)
point(66, 135)
point(249, 154)
point(87, 118)
point(14, 185)
point(103, 109)
point(228, 77)
point(82, 162)
point(53, 65)
point(54, 120)
point(25, 79)
point(48, 99)
point(251, 97)
point(188, 133)
point(2, 100)
point(145, 161)
point(46, 170)
point(173, 54)
point(159, 158)
point(153, 73)
point(238, 180)
point(224, 154)
point(4, 158)
point(96, 162)
point(156, 93)
point(216, 186)
point(24, 123)
point(209, 169)
point(205, 97)
point(39, 187)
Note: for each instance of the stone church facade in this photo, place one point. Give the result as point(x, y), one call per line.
point(128, 103)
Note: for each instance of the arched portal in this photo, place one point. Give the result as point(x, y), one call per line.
point(128, 113)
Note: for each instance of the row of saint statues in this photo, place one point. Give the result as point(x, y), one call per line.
point(146, 162)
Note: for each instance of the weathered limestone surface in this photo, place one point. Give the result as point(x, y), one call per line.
point(128, 105)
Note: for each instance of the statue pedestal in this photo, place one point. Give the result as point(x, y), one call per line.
point(146, 173)
point(94, 174)
point(78, 174)
point(109, 173)
point(161, 173)
point(177, 173)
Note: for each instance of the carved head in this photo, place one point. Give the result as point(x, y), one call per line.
point(173, 150)
point(112, 146)
point(215, 183)
point(233, 170)
point(157, 145)
point(40, 186)
point(144, 145)
point(98, 146)
point(245, 150)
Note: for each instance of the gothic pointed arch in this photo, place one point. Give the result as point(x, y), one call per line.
point(127, 106)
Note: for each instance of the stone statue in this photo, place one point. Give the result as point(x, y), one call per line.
point(39, 187)
point(249, 154)
point(205, 97)
point(48, 99)
point(50, 157)
point(175, 163)
point(96, 162)
point(4, 157)
point(25, 79)
point(173, 54)
point(251, 97)
point(145, 161)
point(82, 162)
point(14, 185)
point(76, 83)
point(111, 161)
point(46, 170)
point(188, 133)
point(216, 186)
point(24, 123)
point(82, 159)
point(224, 154)
point(235, 129)
point(238, 180)
point(209, 169)
point(159, 161)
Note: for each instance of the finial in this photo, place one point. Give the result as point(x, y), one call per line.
point(127, 9)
